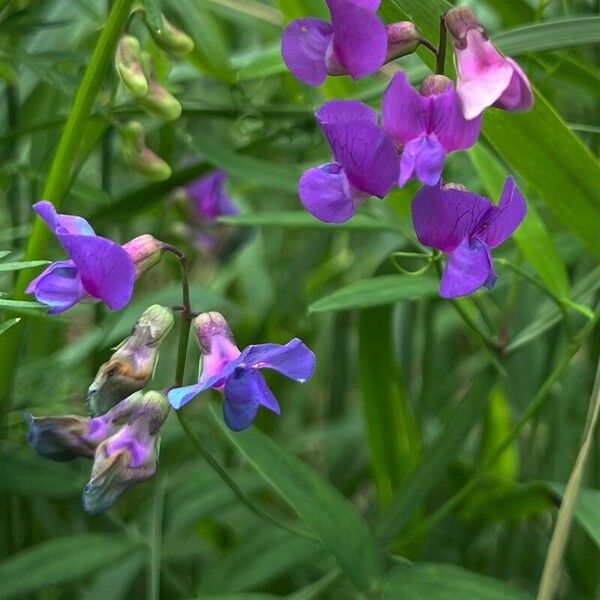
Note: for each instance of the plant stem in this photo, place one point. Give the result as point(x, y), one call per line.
point(550, 574)
point(210, 459)
point(534, 406)
point(440, 63)
point(427, 44)
point(59, 177)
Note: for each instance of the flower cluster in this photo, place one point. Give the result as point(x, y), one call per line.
point(121, 435)
point(417, 130)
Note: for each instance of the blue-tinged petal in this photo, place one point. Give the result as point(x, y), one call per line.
point(468, 268)
point(423, 157)
point(294, 359)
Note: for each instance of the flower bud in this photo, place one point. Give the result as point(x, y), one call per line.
point(127, 457)
point(140, 158)
point(145, 251)
point(403, 39)
point(132, 366)
point(434, 85)
point(129, 66)
point(170, 38)
point(160, 103)
point(459, 21)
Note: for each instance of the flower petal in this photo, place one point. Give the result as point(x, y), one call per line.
point(423, 157)
point(452, 129)
point(517, 96)
point(245, 391)
point(325, 193)
point(304, 49)
point(483, 74)
point(443, 218)
point(359, 36)
point(404, 111)
point(342, 111)
point(209, 197)
point(293, 360)
point(500, 221)
point(468, 268)
point(106, 270)
point(58, 286)
point(62, 223)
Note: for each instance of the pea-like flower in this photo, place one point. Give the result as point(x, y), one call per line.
point(122, 442)
point(366, 162)
point(237, 374)
point(485, 77)
point(209, 197)
point(132, 365)
point(466, 227)
point(97, 269)
point(355, 43)
point(426, 126)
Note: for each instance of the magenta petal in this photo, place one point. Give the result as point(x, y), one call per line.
point(106, 270)
point(452, 129)
point(517, 96)
point(468, 268)
point(443, 218)
point(500, 221)
point(210, 198)
point(61, 223)
point(304, 49)
point(423, 157)
point(325, 193)
point(342, 111)
point(58, 286)
point(294, 359)
point(404, 111)
point(359, 37)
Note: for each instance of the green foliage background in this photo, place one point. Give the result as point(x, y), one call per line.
point(429, 454)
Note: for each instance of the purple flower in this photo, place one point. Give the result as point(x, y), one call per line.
point(122, 443)
point(209, 197)
point(97, 269)
point(355, 42)
point(366, 162)
point(237, 374)
point(485, 77)
point(466, 227)
point(425, 126)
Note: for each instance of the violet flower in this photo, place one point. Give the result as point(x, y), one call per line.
point(122, 443)
point(355, 43)
point(97, 269)
point(209, 198)
point(426, 126)
point(466, 227)
point(237, 374)
point(366, 162)
point(485, 77)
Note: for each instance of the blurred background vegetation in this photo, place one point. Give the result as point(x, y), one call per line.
point(452, 428)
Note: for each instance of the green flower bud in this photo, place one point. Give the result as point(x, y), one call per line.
point(170, 38)
point(132, 366)
point(140, 158)
point(129, 66)
point(160, 103)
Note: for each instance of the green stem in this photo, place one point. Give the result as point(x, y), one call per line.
point(534, 406)
point(210, 459)
point(59, 177)
point(440, 63)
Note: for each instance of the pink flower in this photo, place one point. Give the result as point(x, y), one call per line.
point(485, 77)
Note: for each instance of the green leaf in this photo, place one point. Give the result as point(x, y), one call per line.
point(447, 582)
point(259, 172)
point(437, 458)
point(8, 324)
point(538, 145)
point(260, 63)
point(385, 289)
point(17, 266)
point(320, 506)
point(16, 304)
point(391, 429)
point(153, 14)
point(297, 219)
point(586, 508)
point(549, 35)
point(60, 561)
point(531, 236)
